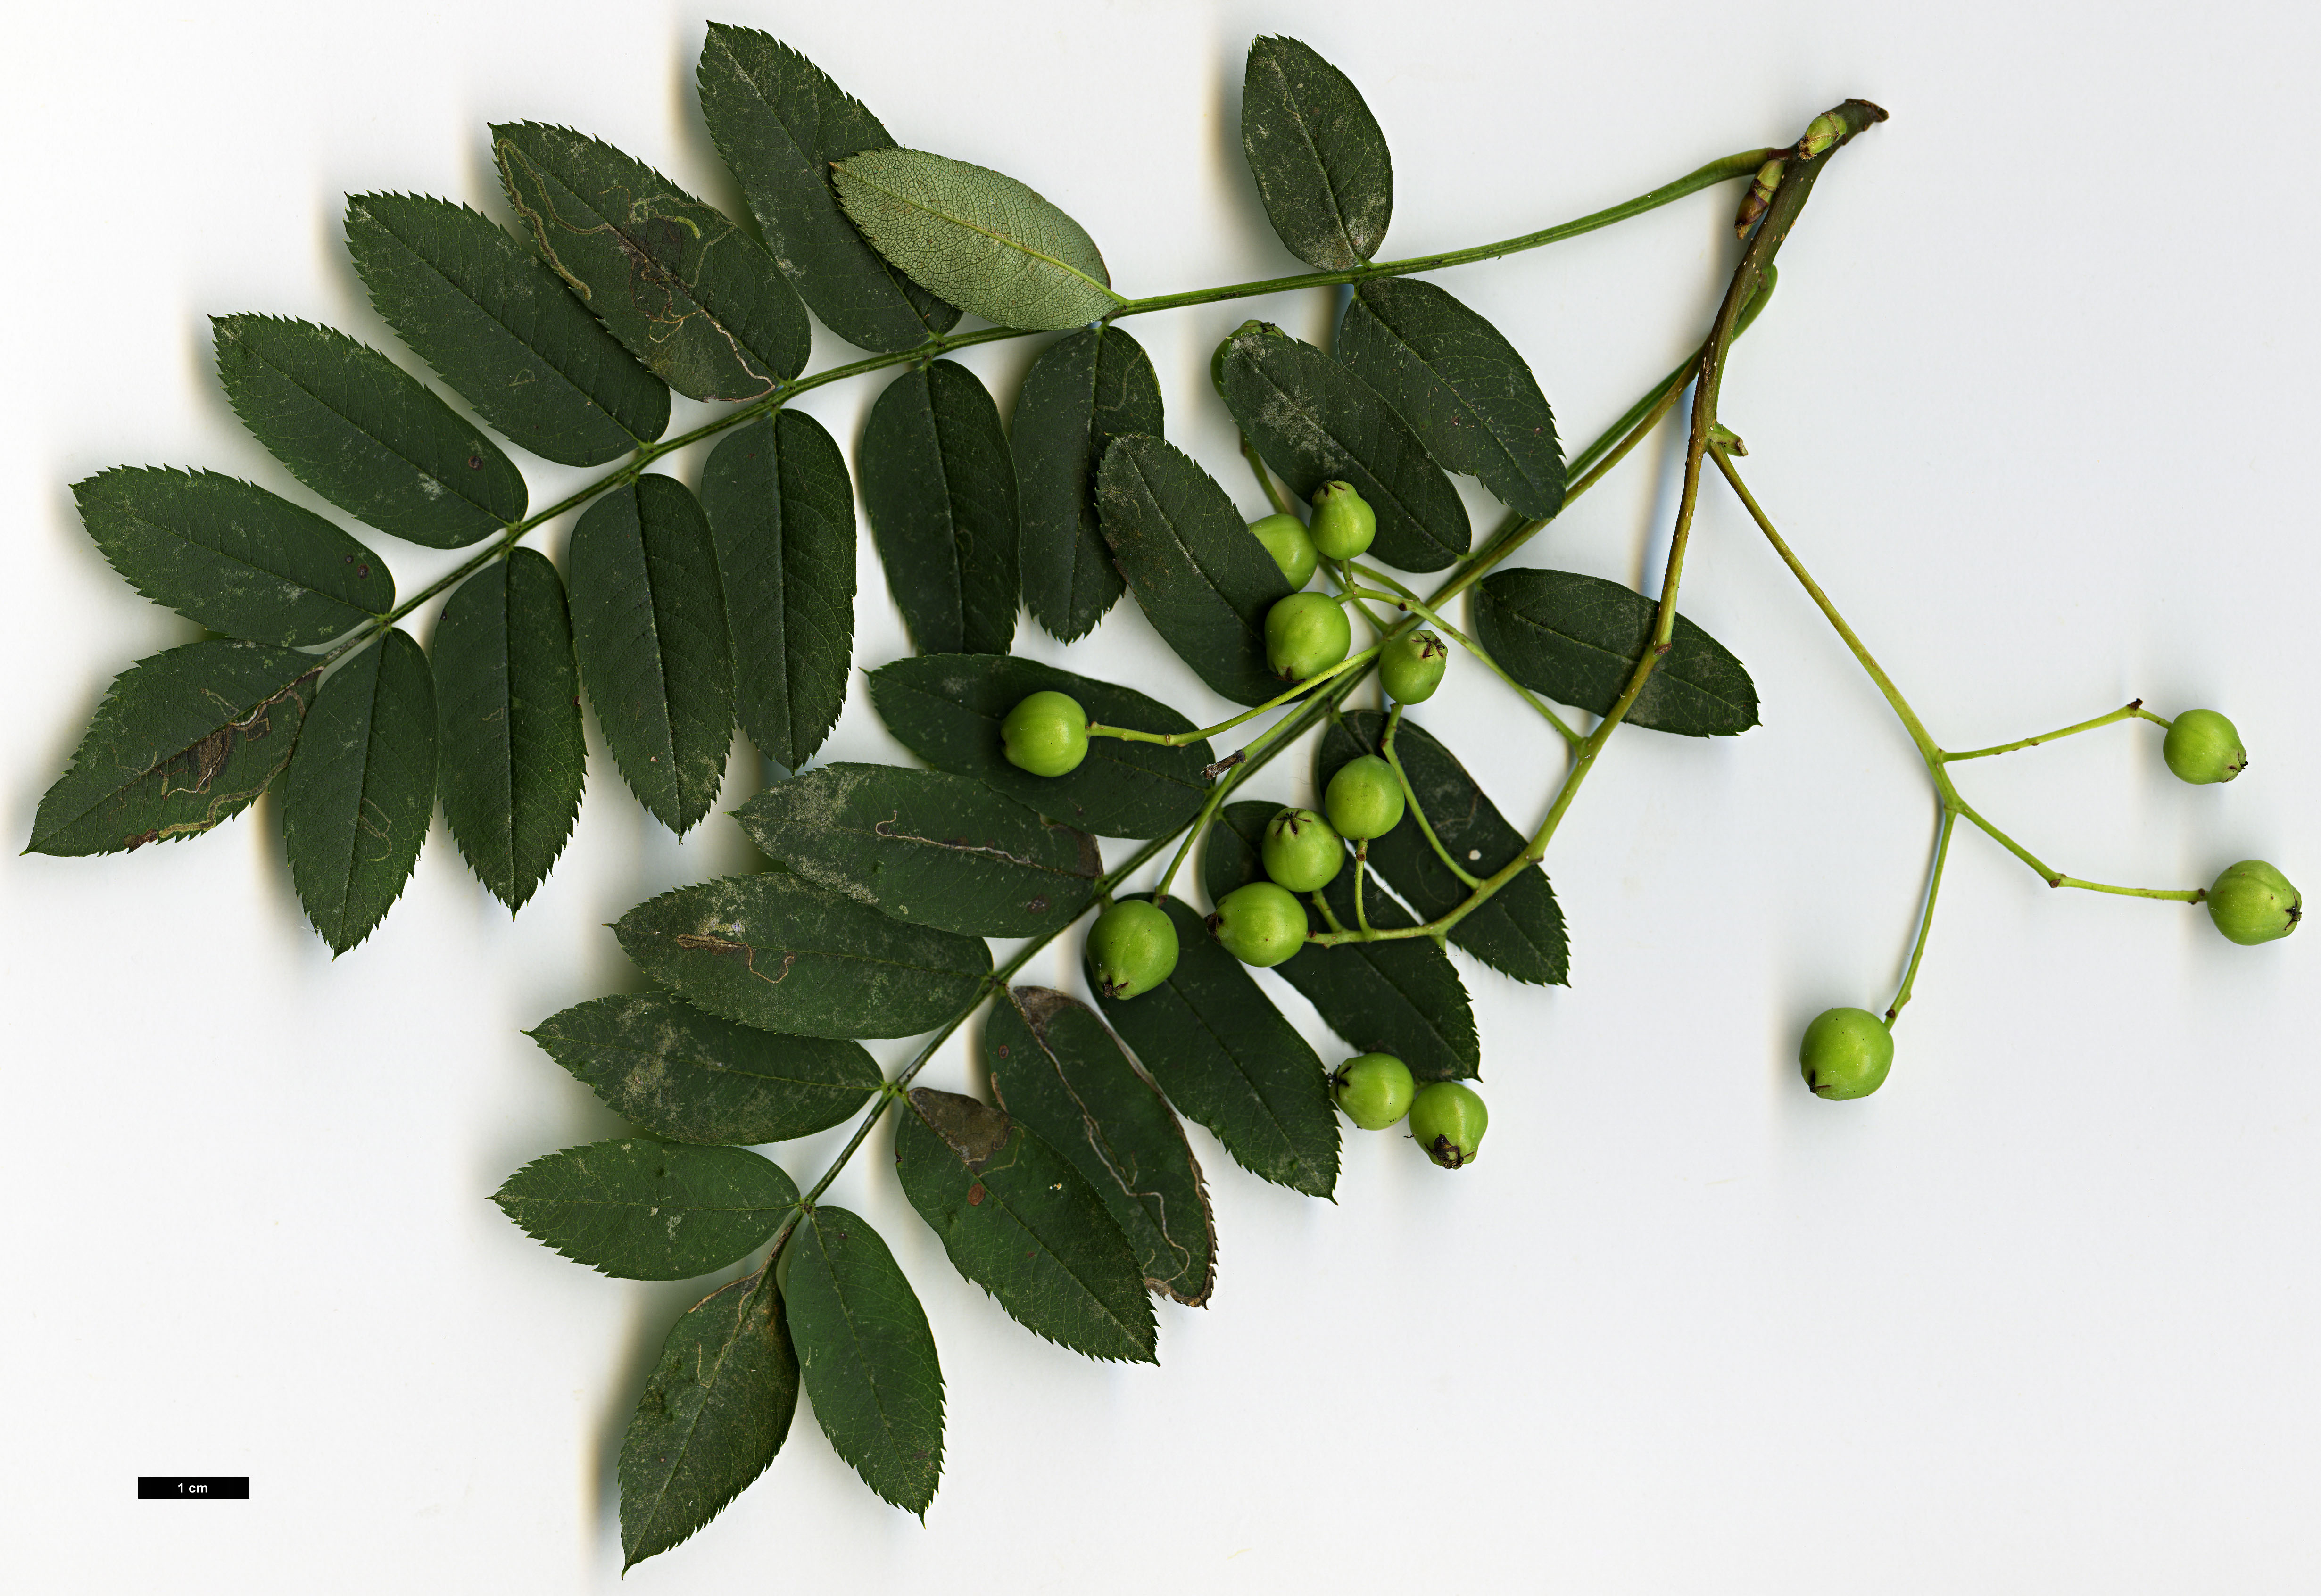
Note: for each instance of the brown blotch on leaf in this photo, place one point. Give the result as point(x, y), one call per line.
point(975, 1131)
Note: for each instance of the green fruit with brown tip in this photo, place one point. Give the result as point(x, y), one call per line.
point(1364, 799)
point(1286, 539)
point(2203, 748)
point(1301, 851)
point(1306, 634)
point(1343, 522)
point(1411, 668)
point(1373, 1090)
point(1260, 923)
point(1132, 949)
point(1845, 1053)
point(2253, 902)
point(1447, 1120)
point(1045, 734)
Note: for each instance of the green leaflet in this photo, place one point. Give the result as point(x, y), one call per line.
point(364, 433)
point(1519, 930)
point(1320, 161)
point(714, 1410)
point(946, 708)
point(501, 330)
point(1316, 422)
point(940, 488)
point(667, 1067)
point(231, 556)
point(977, 237)
point(685, 292)
point(779, 123)
point(1199, 576)
point(183, 740)
point(775, 952)
point(1084, 391)
point(1217, 1045)
point(637, 1209)
point(1020, 1222)
point(511, 753)
point(1402, 998)
point(1576, 639)
point(867, 1356)
point(649, 623)
point(781, 513)
point(1461, 387)
point(1057, 1070)
point(927, 846)
point(360, 790)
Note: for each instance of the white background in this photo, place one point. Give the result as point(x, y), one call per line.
point(2035, 403)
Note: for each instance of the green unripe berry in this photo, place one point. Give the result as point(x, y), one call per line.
point(1846, 1053)
point(1300, 850)
point(1260, 923)
point(1285, 539)
point(1132, 949)
point(1363, 800)
point(1046, 734)
point(2202, 747)
point(2254, 903)
point(1411, 668)
point(1306, 634)
point(1373, 1090)
point(1343, 522)
point(1447, 1120)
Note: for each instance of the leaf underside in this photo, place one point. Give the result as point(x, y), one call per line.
point(1085, 390)
point(1321, 163)
point(940, 488)
point(638, 1209)
point(1577, 638)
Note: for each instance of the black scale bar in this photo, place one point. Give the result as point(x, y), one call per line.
point(193, 1487)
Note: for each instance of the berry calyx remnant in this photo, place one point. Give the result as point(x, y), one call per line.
point(1306, 634)
point(1301, 851)
point(1845, 1053)
point(1045, 734)
point(1287, 541)
point(1373, 1090)
point(1132, 949)
point(1411, 668)
point(2202, 747)
point(1364, 799)
point(1447, 1118)
point(1260, 923)
point(1343, 522)
point(2253, 902)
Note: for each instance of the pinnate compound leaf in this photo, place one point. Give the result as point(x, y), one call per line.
point(867, 1356)
point(1461, 387)
point(500, 328)
point(779, 121)
point(1400, 997)
point(781, 513)
point(685, 292)
point(1084, 391)
point(1320, 161)
point(1212, 1040)
point(638, 1209)
point(667, 1067)
point(1019, 1221)
point(715, 1410)
point(927, 846)
point(231, 556)
point(1576, 639)
point(511, 753)
point(1199, 576)
point(1056, 1069)
point(365, 433)
point(183, 740)
point(649, 623)
point(1519, 930)
point(1316, 422)
point(978, 238)
point(940, 488)
point(778, 953)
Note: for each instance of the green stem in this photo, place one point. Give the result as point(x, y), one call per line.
point(1418, 810)
point(1411, 602)
point(1361, 868)
point(2134, 710)
point(1273, 493)
point(1178, 739)
point(1926, 917)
